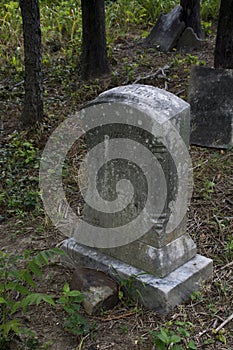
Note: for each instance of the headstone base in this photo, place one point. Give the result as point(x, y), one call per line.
point(157, 261)
point(158, 294)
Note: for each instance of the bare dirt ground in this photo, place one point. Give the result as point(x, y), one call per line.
point(129, 326)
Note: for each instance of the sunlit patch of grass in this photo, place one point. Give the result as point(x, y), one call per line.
point(61, 25)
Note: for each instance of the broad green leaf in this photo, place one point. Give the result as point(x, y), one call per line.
point(66, 287)
point(18, 287)
point(27, 277)
point(222, 338)
point(175, 339)
point(35, 268)
point(15, 274)
point(48, 299)
point(9, 326)
point(30, 299)
point(176, 347)
point(15, 307)
point(163, 337)
point(36, 260)
point(191, 345)
point(76, 293)
point(36, 298)
point(43, 256)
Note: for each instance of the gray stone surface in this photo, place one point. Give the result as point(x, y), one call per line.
point(160, 250)
point(167, 30)
point(158, 261)
point(189, 41)
point(142, 134)
point(100, 291)
point(210, 97)
point(159, 294)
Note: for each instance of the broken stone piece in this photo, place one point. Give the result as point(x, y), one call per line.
point(167, 30)
point(189, 41)
point(99, 290)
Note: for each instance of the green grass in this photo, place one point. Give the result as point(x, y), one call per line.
point(61, 24)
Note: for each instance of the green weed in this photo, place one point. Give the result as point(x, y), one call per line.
point(209, 9)
point(18, 275)
point(19, 162)
point(70, 302)
point(229, 247)
point(61, 25)
point(208, 189)
point(17, 289)
point(188, 59)
point(166, 338)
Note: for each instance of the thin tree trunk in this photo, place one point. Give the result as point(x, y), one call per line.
point(223, 55)
point(94, 51)
point(33, 100)
point(191, 15)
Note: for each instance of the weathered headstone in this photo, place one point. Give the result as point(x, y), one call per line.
point(167, 30)
point(143, 133)
point(175, 31)
point(189, 41)
point(210, 98)
point(155, 250)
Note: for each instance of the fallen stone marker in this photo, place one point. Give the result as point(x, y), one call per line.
point(137, 196)
point(167, 30)
point(210, 98)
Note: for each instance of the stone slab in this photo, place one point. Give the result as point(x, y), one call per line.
point(158, 294)
point(210, 98)
point(167, 30)
point(189, 41)
point(158, 261)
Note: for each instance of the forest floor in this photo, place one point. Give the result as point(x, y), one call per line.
point(127, 326)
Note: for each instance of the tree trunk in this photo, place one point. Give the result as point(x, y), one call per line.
point(223, 55)
point(33, 100)
point(94, 51)
point(191, 15)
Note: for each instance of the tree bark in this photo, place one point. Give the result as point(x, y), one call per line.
point(191, 15)
point(33, 99)
point(94, 51)
point(223, 55)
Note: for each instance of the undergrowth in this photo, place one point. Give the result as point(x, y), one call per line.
point(19, 160)
point(61, 24)
point(19, 279)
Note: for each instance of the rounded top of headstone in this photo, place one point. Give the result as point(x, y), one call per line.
point(144, 95)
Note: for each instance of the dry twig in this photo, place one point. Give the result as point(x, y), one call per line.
point(154, 75)
point(224, 323)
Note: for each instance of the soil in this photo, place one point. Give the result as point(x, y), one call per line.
point(128, 326)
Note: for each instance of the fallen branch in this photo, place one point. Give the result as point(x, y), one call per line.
point(226, 266)
point(223, 323)
point(117, 317)
point(10, 88)
point(154, 75)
